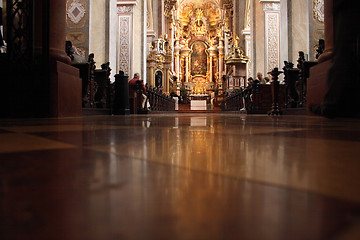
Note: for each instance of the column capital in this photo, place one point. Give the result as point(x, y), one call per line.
point(271, 6)
point(125, 6)
point(121, 9)
point(126, 2)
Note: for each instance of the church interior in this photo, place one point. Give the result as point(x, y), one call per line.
point(250, 127)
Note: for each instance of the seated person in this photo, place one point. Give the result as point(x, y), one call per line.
point(259, 78)
point(133, 82)
point(74, 53)
point(267, 81)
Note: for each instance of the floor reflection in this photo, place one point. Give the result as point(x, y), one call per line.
point(172, 176)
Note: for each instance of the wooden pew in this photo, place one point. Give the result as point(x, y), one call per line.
point(87, 75)
point(159, 101)
point(304, 73)
point(102, 96)
point(135, 98)
point(258, 99)
point(291, 78)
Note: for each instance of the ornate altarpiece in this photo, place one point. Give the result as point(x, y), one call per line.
point(199, 39)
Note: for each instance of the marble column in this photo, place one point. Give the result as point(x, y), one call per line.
point(272, 34)
point(247, 36)
point(125, 52)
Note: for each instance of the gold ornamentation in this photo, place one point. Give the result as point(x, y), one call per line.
point(199, 27)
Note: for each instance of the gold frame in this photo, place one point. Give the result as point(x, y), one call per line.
point(206, 77)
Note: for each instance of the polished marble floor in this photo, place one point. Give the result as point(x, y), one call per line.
point(180, 176)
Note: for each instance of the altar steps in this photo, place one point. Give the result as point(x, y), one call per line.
point(199, 111)
point(185, 108)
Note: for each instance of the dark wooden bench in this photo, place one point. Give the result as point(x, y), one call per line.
point(135, 98)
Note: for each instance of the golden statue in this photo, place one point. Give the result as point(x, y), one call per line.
point(236, 40)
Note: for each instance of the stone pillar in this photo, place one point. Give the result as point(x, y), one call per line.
point(65, 82)
point(150, 19)
point(247, 36)
point(57, 31)
point(317, 83)
point(125, 53)
point(51, 15)
point(329, 31)
point(272, 34)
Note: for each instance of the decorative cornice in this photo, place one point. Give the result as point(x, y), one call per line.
point(125, 9)
point(126, 2)
point(273, 6)
point(269, 1)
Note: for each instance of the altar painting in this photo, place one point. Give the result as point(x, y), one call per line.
point(198, 59)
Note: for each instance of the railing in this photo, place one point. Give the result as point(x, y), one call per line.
point(159, 101)
point(257, 98)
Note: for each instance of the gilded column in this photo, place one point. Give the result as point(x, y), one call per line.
point(221, 59)
point(186, 52)
point(212, 53)
point(177, 59)
point(167, 82)
point(210, 68)
point(187, 68)
point(151, 74)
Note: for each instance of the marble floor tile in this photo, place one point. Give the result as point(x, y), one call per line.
point(180, 176)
